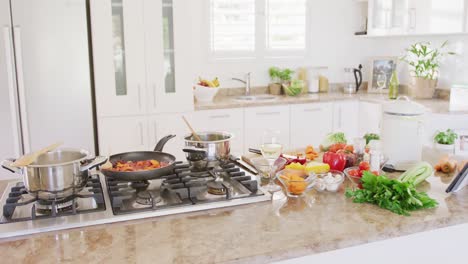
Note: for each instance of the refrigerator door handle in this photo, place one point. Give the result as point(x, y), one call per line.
point(11, 89)
point(21, 89)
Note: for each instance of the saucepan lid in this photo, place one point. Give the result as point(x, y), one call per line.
point(403, 106)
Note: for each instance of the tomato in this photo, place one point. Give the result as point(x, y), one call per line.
point(364, 165)
point(355, 173)
point(375, 173)
point(336, 147)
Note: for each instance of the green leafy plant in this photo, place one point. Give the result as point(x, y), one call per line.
point(398, 197)
point(277, 75)
point(424, 61)
point(274, 73)
point(446, 138)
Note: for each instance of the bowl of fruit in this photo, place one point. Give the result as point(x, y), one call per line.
point(295, 182)
point(205, 90)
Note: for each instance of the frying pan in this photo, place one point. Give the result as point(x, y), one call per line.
point(157, 154)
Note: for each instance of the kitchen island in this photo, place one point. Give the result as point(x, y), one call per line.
point(256, 233)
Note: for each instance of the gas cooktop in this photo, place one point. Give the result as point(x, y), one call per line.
point(106, 200)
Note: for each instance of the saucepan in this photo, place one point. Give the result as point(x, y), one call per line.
point(56, 174)
point(214, 148)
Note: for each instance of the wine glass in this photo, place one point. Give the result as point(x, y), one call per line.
point(381, 80)
point(271, 150)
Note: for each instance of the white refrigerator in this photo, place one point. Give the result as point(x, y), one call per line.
point(45, 77)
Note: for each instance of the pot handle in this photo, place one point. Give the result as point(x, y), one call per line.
point(194, 150)
point(6, 164)
point(160, 145)
point(99, 160)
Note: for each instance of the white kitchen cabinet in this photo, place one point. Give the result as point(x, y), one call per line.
point(170, 124)
point(169, 77)
point(387, 17)
point(346, 118)
point(119, 58)
point(370, 118)
point(229, 120)
point(122, 134)
point(418, 17)
point(310, 123)
point(260, 119)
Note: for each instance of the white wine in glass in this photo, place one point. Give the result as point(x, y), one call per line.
point(271, 150)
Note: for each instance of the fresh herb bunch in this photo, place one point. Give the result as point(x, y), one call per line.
point(424, 60)
point(446, 138)
point(274, 73)
point(286, 74)
point(371, 136)
point(398, 197)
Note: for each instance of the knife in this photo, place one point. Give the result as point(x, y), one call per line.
point(244, 165)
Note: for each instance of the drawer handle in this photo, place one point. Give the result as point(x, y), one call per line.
point(269, 113)
point(312, 110)
point(219, 116)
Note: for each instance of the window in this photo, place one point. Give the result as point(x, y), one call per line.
point(286, 24)
point(260, 27)
point(232, 25)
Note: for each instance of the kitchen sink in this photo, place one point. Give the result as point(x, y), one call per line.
point(250, 98)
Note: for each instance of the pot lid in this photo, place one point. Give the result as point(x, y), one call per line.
point(404, 106)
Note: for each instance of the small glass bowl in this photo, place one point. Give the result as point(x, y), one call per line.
point(356, 180)
point(334, 185)
point(296, 183)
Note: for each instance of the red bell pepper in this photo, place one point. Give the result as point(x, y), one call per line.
point(336, 161)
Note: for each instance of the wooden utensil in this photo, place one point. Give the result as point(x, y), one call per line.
point(195, 135)
point(108, 165)
point(31, 157)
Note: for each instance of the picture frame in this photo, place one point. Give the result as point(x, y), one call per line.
point(461, 143)
point(380, 65)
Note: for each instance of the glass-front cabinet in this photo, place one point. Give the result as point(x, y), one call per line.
point(167, 44)
point(137, 57)
point(417, 17)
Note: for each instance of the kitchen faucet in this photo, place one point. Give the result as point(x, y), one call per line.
point(246, 82)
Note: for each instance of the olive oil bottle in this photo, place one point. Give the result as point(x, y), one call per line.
point(393, 86)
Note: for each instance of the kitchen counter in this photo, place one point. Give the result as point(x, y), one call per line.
point(225, 100)
point(256, 233)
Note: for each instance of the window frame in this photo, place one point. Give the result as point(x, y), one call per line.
point(260, 51)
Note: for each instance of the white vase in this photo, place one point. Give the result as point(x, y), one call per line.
point(450, 149)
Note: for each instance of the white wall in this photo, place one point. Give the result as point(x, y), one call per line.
point(333, 44)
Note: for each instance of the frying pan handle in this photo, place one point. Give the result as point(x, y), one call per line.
point(160, 145)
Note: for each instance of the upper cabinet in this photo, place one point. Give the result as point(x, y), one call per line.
point(138, 53)
point(416, 17)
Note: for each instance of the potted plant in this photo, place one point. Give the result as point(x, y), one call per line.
point(445, 141)
point(279, 78)
point(275, 84)
point(424, 63)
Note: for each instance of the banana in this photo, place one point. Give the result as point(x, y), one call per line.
point(216, 82)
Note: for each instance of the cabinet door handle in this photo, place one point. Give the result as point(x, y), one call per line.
point(11, 88)
point(219, 116)
point(21, 88)
point(312, 110)
point(154, 95)
point(269, 113)
point(140, 125)
point(139, 95)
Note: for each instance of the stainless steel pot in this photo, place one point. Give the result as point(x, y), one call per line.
point(215, 147)
point(56, 174)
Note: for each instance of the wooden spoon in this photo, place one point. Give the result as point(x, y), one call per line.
point(194, 134)
point(31, 157)
point(108, 165)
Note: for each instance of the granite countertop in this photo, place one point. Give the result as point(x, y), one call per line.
point(227, 100)
point(256, 233)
